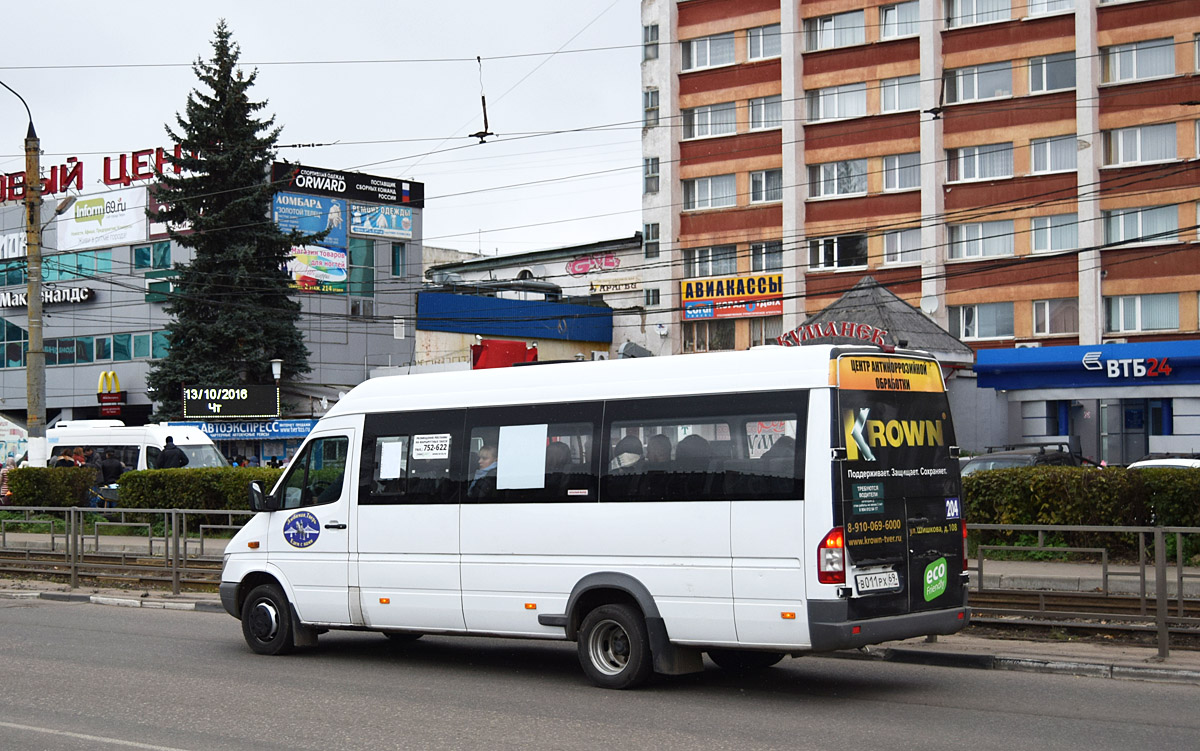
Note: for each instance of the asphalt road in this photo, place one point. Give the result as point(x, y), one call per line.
point(82, 676)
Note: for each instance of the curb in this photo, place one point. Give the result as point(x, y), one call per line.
point(1023, 664)
point(119, 602)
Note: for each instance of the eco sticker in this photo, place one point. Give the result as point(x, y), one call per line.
point(301, 529)
point(935, 579)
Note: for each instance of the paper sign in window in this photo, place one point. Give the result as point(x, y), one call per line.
point(433, 446)
point(391, 460)
point(522, 457)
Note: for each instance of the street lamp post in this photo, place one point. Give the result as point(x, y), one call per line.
point(35, 363)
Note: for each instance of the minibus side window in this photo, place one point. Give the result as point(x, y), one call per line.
point(407, 458)
point(317, 475)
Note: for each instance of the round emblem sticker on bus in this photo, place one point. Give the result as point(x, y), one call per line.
point(301, 529)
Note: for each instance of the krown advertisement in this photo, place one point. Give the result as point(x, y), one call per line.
point(117, 217)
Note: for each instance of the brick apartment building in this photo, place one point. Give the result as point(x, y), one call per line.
point(1024, 171)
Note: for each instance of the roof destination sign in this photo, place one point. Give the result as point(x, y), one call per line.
point(318, 181)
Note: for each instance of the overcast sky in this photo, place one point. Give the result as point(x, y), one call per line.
point(400, 114)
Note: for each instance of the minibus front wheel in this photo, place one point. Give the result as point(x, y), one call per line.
point(267, 621)
point(614, 647)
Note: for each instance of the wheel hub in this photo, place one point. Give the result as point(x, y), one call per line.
point(264, 621)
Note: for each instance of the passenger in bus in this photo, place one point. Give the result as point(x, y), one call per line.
point(783, 448)
point(658, 450)
point(483, 484)
point(558, 456)
point(627, 455)
point(692, 457)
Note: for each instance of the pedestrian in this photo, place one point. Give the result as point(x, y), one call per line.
point(111, 468)
point(252, 462)
point(5, 493)
point(64, 460)
point(79, 457)
point(172, 456)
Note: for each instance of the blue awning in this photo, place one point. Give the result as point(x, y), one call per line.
point(1090, 366)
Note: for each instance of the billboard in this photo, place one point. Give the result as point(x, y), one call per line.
point(114, 218)
point(310, 215)
point(732, 297)
point(317, 181)
point(395, 222)
point(317, 269)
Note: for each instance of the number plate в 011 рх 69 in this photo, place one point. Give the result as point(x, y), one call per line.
point(875, 582)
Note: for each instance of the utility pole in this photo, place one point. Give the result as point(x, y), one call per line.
point(35, 364)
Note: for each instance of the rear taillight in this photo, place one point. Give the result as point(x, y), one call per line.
point(831, 558)
point(963, 524)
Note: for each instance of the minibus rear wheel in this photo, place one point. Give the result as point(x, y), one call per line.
point(267, 621)
point(614, 648)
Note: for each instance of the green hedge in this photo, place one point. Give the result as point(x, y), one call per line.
point(1076, 495)
point(216, 488)
point(46, 486)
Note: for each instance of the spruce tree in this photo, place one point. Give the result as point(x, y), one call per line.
point(232, 309)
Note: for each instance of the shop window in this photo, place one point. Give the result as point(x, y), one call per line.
point(708, 336)
point(1058, 417)
point(765, 330)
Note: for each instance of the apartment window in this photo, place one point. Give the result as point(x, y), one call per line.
point(765, 330)
point(650, 240)
point(1053, 154)
point(981, 239)
point(763, 42)
point(708, 336)
point(650, 42)
point(988, 162)
point(652, 297)
point(982, 321)
point(902, 171)
point(766, 256)
point(1055, 233)
point(1132, 62)
point(899, 20)
point(766, 186)
point(1052, 72)
point(847, 178)
point(156, 256)
point(837, 102)
point(650, 108)
point(715, 261)
point(650, 175)
point(1139, 145)
point(841, 30)
point(1132, 313)
point(710, 120)
point(1059, 316)
point(399, 259)
point(1042, 7)
point(968, 12)
point(902, 245)
point(1157, 224)
point(841, 252)
point(900, 94)
point(766, 112)
point(710, 192)
point(708, 52)
point(978, 82)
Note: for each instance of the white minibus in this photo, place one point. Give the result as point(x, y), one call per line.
point(137, 446)
point(744, 505)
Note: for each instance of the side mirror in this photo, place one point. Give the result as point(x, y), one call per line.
point(259, 500)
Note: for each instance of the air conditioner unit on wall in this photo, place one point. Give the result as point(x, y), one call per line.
point(599, 355)
point(1119, 340)
point(1028, 345)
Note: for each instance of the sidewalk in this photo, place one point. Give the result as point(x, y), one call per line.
point(964, 650)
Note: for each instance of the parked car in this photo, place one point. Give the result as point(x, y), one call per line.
point(1023, 455)
point(1185, 461)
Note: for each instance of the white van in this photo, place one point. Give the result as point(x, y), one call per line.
point(137, 447)
point(744, 505)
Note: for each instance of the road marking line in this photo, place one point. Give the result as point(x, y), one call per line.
point(86, 737)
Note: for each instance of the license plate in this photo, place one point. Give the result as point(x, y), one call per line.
point(877, 581)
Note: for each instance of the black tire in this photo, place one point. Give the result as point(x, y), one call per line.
point(743, 659)
point(614, 648)
point(267, 621)
point(402, 637)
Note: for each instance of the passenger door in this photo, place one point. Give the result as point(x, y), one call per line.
point(309, 537)
point(408, 521)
